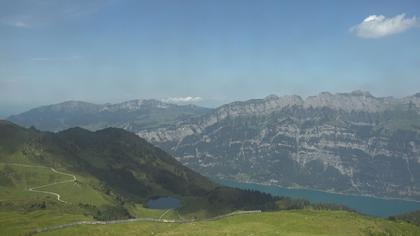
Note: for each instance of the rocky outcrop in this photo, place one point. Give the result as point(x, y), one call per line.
point(349, 143)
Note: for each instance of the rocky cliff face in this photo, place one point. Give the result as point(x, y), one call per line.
point(349, 143)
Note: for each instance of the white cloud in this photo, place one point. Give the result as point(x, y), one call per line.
point(377, 26)
point(34, 14)
point(187, 99)
point(41, 59)
point(17, 21)
point(20, 24)
point(56, 59)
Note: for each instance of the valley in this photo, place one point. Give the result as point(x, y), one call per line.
point(349, 143)
point(54, 182)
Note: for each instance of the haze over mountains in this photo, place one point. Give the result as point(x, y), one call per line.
point(346, 142)
point(132, 115)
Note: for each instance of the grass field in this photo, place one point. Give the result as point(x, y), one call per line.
point(139, 211)
point(299, 222)
point(23, 222)
point(15, 180)
point(78, 192)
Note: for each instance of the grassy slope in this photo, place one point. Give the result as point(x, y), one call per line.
point(113, 167)
point(92, 158)
point(411, 217)
point(23, 222)
point(299, 222)
point(17, 179)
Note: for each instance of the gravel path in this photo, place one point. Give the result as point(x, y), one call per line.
point(34, 189)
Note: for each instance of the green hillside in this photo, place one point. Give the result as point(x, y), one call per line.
point(104, 175)
point(411, 217)
point(111, 166)
point(296, 222)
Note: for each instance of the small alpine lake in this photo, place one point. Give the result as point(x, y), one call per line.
point(164, 203)
point(364, 204)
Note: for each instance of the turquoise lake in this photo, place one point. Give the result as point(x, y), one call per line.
point(366, 205)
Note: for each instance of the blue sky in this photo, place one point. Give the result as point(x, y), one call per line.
point(212, 51)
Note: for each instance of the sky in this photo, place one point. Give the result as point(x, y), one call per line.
point(204, 52)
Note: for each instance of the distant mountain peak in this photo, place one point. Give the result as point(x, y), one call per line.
point(361, 93)
point(131, 115)
point(71, 105)
point(136, 104)
point(354, 101)
point(271, 97)
point(325, 93)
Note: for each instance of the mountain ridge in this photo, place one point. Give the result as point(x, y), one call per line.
point(127, 115)
point(345, 142)
point(349, 143)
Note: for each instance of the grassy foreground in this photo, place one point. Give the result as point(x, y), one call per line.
point(21, 223)
point(298, 222)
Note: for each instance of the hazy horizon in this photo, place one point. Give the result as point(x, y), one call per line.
point(205, 52)
point(175, 100)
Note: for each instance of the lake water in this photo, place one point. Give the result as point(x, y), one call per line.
point(367, 205)
point(164, 203)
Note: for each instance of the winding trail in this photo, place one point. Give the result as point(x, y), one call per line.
point(33, 189)
point(73, 179)
point(164, 213)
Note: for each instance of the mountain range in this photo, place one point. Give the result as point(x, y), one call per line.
point(132, 115)
point(352, 143)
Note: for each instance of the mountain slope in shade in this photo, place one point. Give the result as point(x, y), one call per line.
point(132, 115)
point(119, 159)
point(114, 170)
